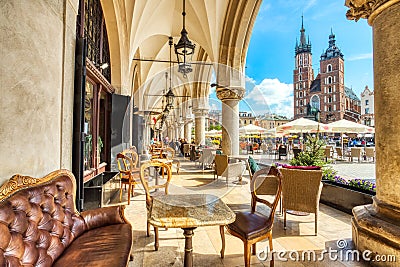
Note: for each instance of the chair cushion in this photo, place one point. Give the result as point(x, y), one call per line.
point(104, 246)
point(253, 165)
point(302, 167)
point(250, 225)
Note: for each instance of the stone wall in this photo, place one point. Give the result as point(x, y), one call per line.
point(37, 71)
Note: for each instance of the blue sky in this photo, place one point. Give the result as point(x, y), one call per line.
point(270, 58)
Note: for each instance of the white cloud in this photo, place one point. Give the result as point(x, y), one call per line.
point(310, 4)
point(270, 95)
point(359, 57)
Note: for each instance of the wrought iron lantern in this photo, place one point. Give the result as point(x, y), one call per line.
point(165, 112)
point(184, 49)
point(170, 99)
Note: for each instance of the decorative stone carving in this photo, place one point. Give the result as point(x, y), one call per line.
point(366, 9)
point(224, 93)
point(200, 112)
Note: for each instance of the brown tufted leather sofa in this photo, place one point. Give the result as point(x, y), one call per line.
point(40, 226)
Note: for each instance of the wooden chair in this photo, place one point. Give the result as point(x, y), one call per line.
point(186, 150)
point(131, 152)
point(254, 226)
point(126, 174)
point(223, 168)
point(154, 190)
point(301, 191)
point(370, 153)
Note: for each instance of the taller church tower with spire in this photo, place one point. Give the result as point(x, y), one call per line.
point(303, 74)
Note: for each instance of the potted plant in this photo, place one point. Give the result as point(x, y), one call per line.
point(337, 192)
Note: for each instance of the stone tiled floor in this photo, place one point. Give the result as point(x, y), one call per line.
point(333, 225)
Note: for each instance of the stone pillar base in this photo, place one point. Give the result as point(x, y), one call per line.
point(376, 227)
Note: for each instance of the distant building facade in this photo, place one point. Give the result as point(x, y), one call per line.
point(270, 121)
point(214, 118)
point(327, 91)
point(367, 107)
point(246, 118)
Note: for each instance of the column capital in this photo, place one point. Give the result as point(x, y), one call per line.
point(200, 112)
point(367, 9)
point(230, 93)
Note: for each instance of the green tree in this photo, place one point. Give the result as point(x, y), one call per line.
point(312, 154)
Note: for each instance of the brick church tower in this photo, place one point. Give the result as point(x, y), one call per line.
point(327, 91)
point(303, 74)
point(332, 93)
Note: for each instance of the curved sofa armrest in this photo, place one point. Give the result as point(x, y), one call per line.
point(104, 216)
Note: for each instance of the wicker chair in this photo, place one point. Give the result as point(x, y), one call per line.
point(355, 152)
point(301, 191)
point(223, 168)
point(339, 152)
point(328, 153)
point(154, 190)
point(370, 153)
point(254, 226)
point(207, 157)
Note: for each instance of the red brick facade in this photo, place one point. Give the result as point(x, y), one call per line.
point(327, 91)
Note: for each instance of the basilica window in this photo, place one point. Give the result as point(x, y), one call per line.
point(329, 89)
point(329, 68)
point(315, 102)
point(329, 80)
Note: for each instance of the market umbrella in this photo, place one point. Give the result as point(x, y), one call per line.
point(346, 126)
point(252, 129)
point(302, 125)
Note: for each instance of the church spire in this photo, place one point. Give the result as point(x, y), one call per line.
point(302, 33)
point(332, 50)
point(304, 45)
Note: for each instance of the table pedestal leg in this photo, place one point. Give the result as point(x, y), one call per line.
point(188, 260)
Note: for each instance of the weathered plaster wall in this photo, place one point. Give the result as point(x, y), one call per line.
point(37, 47)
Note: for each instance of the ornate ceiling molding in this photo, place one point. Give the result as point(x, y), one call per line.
point(367, 9)
point(230, 93)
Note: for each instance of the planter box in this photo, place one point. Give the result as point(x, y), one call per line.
point(343, 198)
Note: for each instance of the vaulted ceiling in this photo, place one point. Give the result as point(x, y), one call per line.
point(220, 29)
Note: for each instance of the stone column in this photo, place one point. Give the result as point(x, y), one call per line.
point(200, 125)
point(188, 131)
point(376, 227)
point(181, 130)
point(230, 98)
